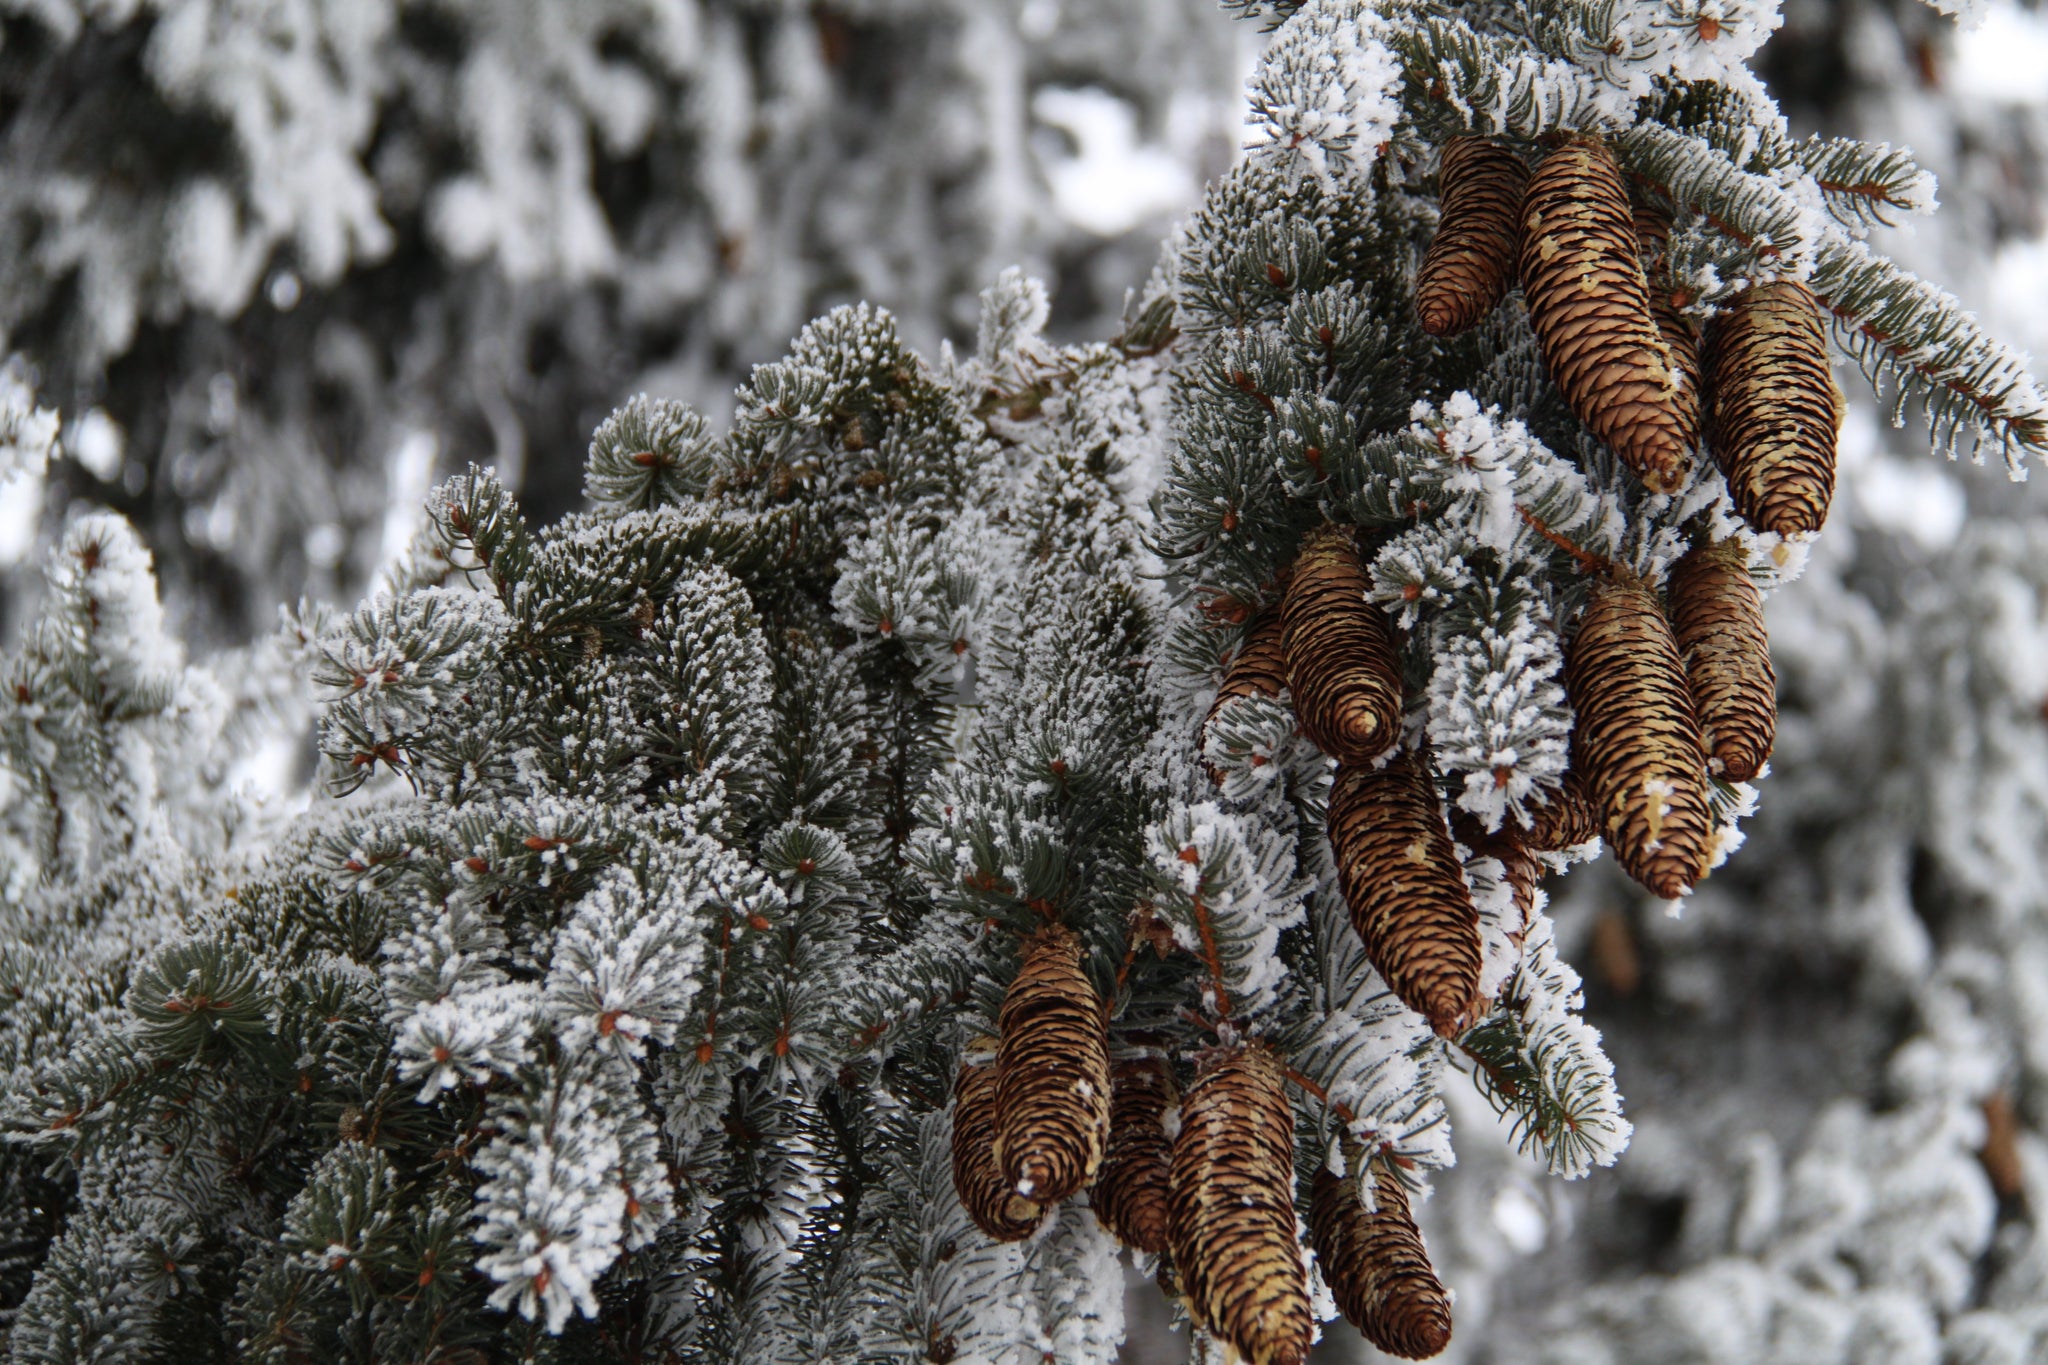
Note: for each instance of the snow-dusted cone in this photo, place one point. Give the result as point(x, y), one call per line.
point(996, 1209)
point(1376, 1267)
point(1590, 308)
point(1718, 617)
point(1052, 1093)
point(1230, 1220)
point(1130, 1192)
point(1259, 668)
point(1653, 236)
point(1636, 738)
point(1775, 410)
point(1406, 888)
point(1567, 819)
point(1341, 663)
point(1470, 265)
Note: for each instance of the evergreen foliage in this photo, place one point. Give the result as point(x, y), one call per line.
point(673, 856)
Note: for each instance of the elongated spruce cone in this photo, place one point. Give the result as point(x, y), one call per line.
point(1377, 1269)
point(1653, 236)
point(1775, 410)
point(1052, 1091)
point(1717, 616)
point(996, 1209)
point(1470, 265)
point(1341, 662)
point(1406, 888)
point(1569, 818)
point(1589, 306)
point(1230, 1209)
point(1130, 1192)
point(1520, 868)
point(1636, 738)
point(1259, 668)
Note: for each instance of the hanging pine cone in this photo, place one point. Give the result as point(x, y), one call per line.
point(1471, 262)
point(1520, 868)
point(1406, 888)
point(1260, 668)
point(1653, 237)
point(1775, 410)
point(1636, 739)
point(1130, 1193)
point(1376, 1267)
point(1589, 306)
point(996, 1209)
point(1052, 1093)
point(1569, 818)
point(1718, 617)
point(1341, 663)
point(1230, 1218)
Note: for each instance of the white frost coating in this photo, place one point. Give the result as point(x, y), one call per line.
point(1565, 1052)
point(1497, 714)
point(1327, 91)
point(28, 433)
point(552, 1206)
point(1503, 923)
point(625, 967)
point(1227, 881)
point(467, 1036)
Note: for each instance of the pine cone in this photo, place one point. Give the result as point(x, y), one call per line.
point(1636, 739)
point(1589, 305)
point(996, 1209)
point(1341, 661)
point(1260, 669)
point(1230, 1218)
point(1471, 262)
point(1406, 888)
point(1718, 617)
point(1052, 1093)
point(1775, 409)
point(1569, 818)
point(1653, 237)
point(1520, 868)
point(1376, 1267)
point(1130, 1193)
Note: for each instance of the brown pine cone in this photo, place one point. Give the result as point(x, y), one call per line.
point(1052, 1093)
point(1470, 265)
point(1341, 662)
point(1775, 410)
point(1376, 1267)
point(1406, 888)
point(1718, 617)
point(996, 1209)
point(1130, 1193)
point(1260, 668)
point(1590, 308)
point(1569, 818)
point(1636, 739)
point(1230, 1209)
point(1653, 237)
point(1520, 868)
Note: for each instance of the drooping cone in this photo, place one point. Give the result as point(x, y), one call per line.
point(1653, 236)
point(1052, 1092)
point(1636, 739)
point(1230, 1209)
point(996, 1209)
point(1341, 663)
point(1520, 868)
point(1406, 888)
point(1470, 265)
point(1718, 617)
point(1569, 818)
point(1376, 1267)
point(1130, 1193)
point(1260, 668)
point(1775, 408)
point(1589, 306)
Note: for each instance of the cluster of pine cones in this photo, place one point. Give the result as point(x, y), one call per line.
point(1669, 690)
point(1205, 1180)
